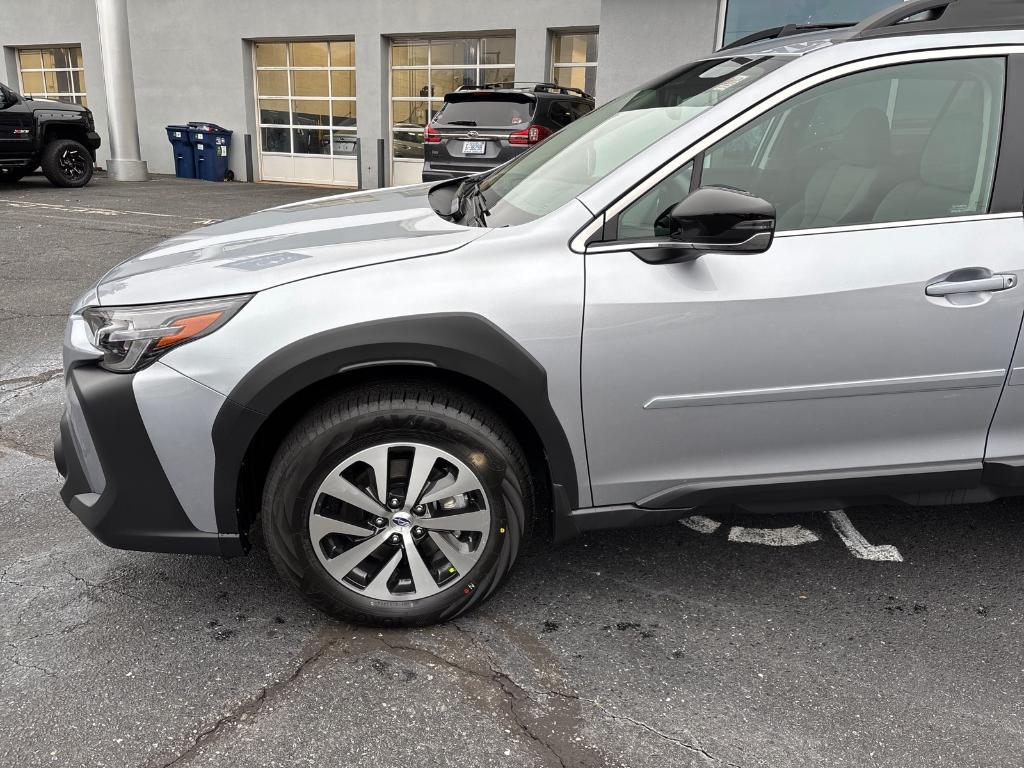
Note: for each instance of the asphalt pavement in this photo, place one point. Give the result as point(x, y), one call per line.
point(709, 644)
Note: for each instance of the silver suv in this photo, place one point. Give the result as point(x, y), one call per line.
point(784, 277)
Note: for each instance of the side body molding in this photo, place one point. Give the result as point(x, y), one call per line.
point(464, 344)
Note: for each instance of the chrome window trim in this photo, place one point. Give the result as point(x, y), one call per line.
point(898, 224)
point(578, 243)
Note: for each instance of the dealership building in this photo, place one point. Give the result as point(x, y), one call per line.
point(298, 82)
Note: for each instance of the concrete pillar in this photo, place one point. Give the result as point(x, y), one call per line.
point(126, 163)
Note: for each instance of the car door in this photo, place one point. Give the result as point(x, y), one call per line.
point(865, 351)
point(15, 126)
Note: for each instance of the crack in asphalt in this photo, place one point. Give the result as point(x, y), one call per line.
point(246, 708)
point(39, 378)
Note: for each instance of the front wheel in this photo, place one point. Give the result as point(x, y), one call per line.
point(397, 504)
point(66, 163)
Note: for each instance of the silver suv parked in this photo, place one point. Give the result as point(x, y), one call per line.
point(784, 277)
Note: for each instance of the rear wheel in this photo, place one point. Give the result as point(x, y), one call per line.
point(66, 163)
point(397, 504)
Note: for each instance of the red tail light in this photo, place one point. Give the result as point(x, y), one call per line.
point(535, 134)
point(430, 136)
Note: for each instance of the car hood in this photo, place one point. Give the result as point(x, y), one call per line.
point(281, 245)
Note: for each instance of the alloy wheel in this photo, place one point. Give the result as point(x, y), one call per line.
point(72, 164)
point(400, 521)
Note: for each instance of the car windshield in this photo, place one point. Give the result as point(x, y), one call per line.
point(489, 110)
point(581, 154)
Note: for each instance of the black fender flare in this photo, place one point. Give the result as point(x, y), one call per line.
point(465, 344)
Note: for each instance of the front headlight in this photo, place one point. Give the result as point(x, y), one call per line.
point(133, 337)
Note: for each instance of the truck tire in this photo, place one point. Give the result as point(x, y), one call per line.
point(357, 513)
point(66, 163)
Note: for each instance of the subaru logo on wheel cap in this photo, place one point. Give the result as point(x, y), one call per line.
point(402, 520)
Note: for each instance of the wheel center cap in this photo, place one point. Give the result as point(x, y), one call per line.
point(402, 519)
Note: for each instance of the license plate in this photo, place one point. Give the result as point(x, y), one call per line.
point(474, 147)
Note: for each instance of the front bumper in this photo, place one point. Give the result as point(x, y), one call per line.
point(93, 140)
point(113, 481)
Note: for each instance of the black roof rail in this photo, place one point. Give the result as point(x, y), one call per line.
point(784, 31)
point(931, 16)
point(530, 86)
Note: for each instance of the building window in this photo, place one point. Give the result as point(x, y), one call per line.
point(307, 97)
point(574, 60)
point(423, 71)
point(53, 73)
point(744, 17)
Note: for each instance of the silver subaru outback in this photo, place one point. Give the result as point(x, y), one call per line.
point(784, 277)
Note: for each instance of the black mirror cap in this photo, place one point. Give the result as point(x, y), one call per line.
point(720, 217)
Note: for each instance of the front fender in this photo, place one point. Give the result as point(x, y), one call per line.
point(464, 344)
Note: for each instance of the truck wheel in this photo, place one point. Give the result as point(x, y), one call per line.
point(397, 504)
point(66, 163)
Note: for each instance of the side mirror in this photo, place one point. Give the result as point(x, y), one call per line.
point(713, 219)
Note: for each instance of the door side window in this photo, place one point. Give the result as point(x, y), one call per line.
point(914, 141)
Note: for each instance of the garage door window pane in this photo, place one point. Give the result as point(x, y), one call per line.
point(575, 49)
point(274, 111)
point(309, 54)
point(408, 145)
point(272, 83)
point(448, 80)
point(409, 54)
point(343, 83)
point(492, 76)
point(343, 53)
point(409, 82)
point(410, 113)
point(32, 82)
point(498, 50)
point(344, 113)
point(448, 52)
point(271, 55)
point(30, 59)
point(276, 139)
point(305, 83)
point(311, 141)
point(309, 112)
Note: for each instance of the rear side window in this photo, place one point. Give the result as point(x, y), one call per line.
point(560, 113)
point(486, 112)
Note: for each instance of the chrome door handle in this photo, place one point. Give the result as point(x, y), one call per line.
point(993, 283)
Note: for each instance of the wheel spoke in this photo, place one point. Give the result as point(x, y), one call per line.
point(340, 566)
point(464, 483)
point(377, 458)
point(466, 521)
point(462, 561)
point(340, 488)
point(423, 462)
point(422, 579)
point(321, 525)
point(379, 586)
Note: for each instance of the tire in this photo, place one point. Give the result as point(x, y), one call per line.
point(411, 419)
point(67, 163)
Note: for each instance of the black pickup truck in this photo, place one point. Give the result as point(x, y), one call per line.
point(59, 137)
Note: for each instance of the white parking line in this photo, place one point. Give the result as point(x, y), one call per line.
point(793, 536)
point(112, 212)
point(701, 524)
point(858, 545)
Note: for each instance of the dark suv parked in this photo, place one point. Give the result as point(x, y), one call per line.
point(59, 137)
point(481, 127)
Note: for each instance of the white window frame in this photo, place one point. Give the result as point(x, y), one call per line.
point(75, 96)
point(556, 65)
point(291, 126)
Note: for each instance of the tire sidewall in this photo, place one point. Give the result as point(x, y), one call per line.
point(309, 466)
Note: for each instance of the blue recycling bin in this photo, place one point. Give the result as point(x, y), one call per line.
point(184, 156)
point(210, 143)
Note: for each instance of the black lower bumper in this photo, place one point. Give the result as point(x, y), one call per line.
point(93, 141)
point(113, 480)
